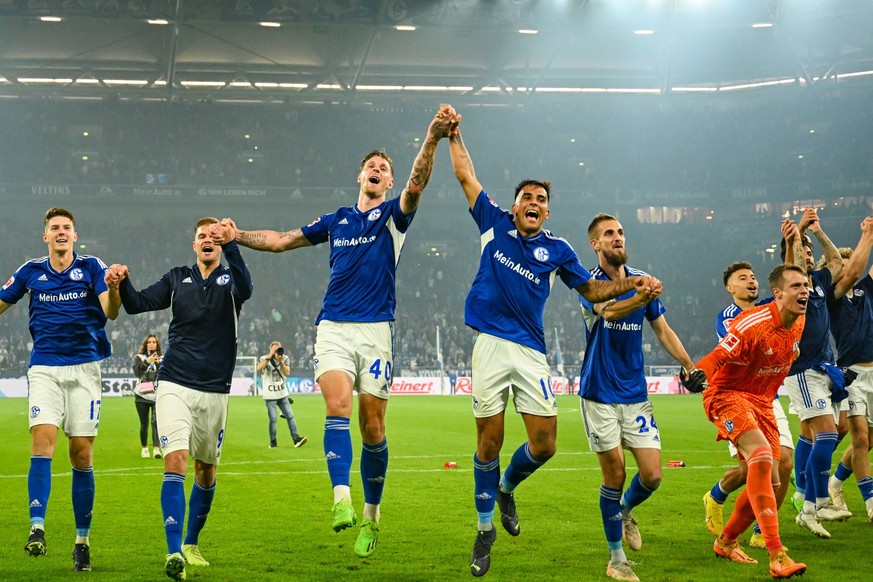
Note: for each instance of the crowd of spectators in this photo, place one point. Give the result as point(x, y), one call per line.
point(625, 148)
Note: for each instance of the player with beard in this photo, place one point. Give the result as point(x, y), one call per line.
point(518, 262)
point(740, 282)
point(615, 400)
point(850, 303)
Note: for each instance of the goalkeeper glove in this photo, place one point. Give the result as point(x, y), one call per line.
point(695, 381)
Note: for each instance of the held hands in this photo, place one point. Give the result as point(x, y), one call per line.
point(648, 288)
point(222, 232)
point(694, 380)
point(115, 274)
point(809, 220)
point(790, 231)
point(445, 120)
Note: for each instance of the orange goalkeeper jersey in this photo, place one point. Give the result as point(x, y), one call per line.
point(755, 355)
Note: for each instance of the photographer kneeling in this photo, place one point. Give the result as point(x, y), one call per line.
point(274, 369)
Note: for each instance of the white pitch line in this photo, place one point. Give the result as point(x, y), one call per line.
point(138, 471)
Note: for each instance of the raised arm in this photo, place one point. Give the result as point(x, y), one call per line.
point(423, 164)
point(4, 306)
point(597, 291)
point(857, 262)
point(259, 240)
point(463, 167)
point(614, 310)
point(833, 261)
point(793, 246)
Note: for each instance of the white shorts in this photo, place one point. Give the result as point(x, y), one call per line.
point(191, 420)
point(499, 364)
point(66, 396)
point(785, 438)
point(810, 395)
point(365, 351)
point(861, 394)
point(630, 425)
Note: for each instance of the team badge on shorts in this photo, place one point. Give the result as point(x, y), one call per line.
point(820, 404)
point(595, 438)
point(164, 442)
point(475, 404)
point(729, 425)
point(77, 275)
point(34, 411)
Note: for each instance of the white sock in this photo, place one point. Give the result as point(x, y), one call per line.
point(371, 512)
point(341, 492)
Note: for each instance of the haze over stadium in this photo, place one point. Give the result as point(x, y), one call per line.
point(699, 124)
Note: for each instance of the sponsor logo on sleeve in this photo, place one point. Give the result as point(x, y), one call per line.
point(9, 282)
point(730, 341)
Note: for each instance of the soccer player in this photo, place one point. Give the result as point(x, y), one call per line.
point(744, 373)
point(518, 263)
point(614, 392)
point(194, 378)
point(740, 282)
point(850, 303)
point(69, 304)
point(353, 348)
point(808, 383)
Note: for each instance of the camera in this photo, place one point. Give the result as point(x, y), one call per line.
point(280, 352)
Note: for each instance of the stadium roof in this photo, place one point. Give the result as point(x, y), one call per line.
point(491, 51)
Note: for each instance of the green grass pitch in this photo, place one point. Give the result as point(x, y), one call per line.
point(271, 517)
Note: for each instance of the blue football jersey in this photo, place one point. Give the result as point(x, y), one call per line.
point(613, 367)
point(815, 347)
point(852, 323)
point(724, 319)
point(364, 252)
point(515, 277)
point(66, 319)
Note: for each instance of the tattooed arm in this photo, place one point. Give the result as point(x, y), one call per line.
point(421, 168)
point(262, 240)
point(463, 166)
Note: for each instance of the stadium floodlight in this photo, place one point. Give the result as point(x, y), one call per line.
point(50, 18)
point(404, 28)
point(158, 21)
point(856, 74)
point(203, 83)
point(270, 24)
point(762, 25)
point(644, 32)
point(127, 82)
point(528, 31)
point(379, 87)
point(43, 81)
